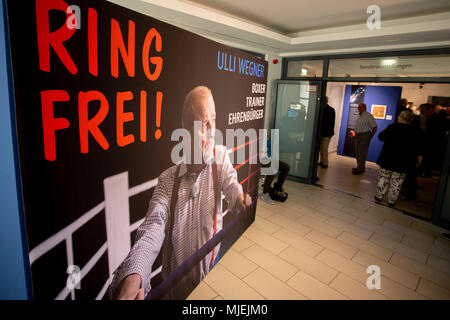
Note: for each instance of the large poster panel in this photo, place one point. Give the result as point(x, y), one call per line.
point(356, 97)
point(123, 172)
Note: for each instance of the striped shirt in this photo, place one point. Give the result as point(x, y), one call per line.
point(365, 123)
point(193, 224)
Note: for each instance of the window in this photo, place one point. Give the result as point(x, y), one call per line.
point(306, 68)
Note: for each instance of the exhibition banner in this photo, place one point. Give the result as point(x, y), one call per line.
point(130, 135)
point(356, 97)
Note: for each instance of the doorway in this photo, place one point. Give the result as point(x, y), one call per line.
point(296, 117)
point(338, 175)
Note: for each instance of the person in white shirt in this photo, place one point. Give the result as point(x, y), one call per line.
point(365, 129)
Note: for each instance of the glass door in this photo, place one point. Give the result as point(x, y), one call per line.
point(441, 210)
point(297, 107)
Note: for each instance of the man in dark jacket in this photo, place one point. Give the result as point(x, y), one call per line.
point(402, 106)
point(327, 131)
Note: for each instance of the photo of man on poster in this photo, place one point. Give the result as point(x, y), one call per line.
point(185, 210)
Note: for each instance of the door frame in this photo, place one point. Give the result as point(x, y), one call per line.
point(444, 184)
point(438, 204)
point(445, 172)
point(315, 143)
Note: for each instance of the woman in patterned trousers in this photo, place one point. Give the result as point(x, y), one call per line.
point(392, 180)
point(402, 149)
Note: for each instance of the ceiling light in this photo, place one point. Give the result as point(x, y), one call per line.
point(388, 62)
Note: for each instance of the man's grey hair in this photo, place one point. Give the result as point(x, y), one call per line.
point(188, 115)
point(362, 104)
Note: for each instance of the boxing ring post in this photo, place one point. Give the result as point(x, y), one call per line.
point(117, 216)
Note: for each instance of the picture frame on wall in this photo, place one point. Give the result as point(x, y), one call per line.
point(378, 111)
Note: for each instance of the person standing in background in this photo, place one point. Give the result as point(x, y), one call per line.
point(423, 118)
point(409, 187)
point(365, 129)
point(327, 131)
point(402, 150)
point(403, 106)
point(431, 131)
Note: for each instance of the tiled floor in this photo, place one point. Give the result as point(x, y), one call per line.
point(338, 177)
point(318, 245)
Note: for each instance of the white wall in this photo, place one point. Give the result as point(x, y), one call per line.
point(273, 73)
point(413, 93)
point(335, 94)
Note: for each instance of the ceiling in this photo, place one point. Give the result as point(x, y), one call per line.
point(290, 16)
point(313, 27)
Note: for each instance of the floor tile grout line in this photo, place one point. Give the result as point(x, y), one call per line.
point(290, 286)
point(392, 255)
point(403, 244)
point(313, 277)
point(340, 292)
point(286, 282)
point(209, 286)
point(362, 227)
point(318, 230)
point(305, 271)
point(426, 261)
point(242, 280)
point(265, 298)
point(301, 235)
point(257, 266)
point(323, 234)
point(403, 237)
point(401, 270)
point(356, 235)
point(323, 249)
point(204, 282)
point(411, 246)
point(339, 235)
point(290, 263)
point(418, 284)
point(277, 255)
point(270, 236)
point(418, 231)
point(361, 282)
point(433, 243)
point(279, 227)
point(253, 244)
point(428, 279)
point(302, 251)
point(355, 254)
point(309, 233)
point(431, 227)
point(338, 273)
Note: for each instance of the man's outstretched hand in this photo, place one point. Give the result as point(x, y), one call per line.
point(131, 288)
point(243, 202)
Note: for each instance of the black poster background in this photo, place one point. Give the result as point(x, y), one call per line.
point(356, 97)
point(58, 192)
